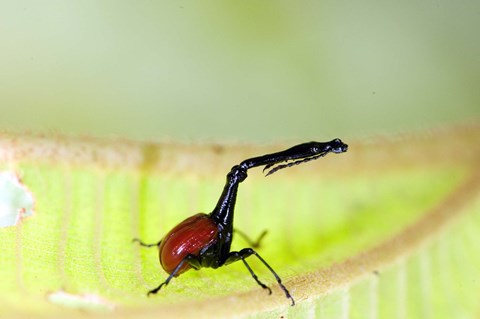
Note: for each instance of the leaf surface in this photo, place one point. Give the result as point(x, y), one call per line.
point(387, 230)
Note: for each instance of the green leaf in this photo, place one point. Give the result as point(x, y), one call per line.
point(387, 230)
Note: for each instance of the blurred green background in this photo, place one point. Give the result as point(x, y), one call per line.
point(254, 71)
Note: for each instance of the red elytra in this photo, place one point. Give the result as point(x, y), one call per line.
point(188, 237)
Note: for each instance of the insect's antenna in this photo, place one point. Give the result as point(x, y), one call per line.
point(282, 166)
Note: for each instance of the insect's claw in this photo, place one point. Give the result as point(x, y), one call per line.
point(269, 290)
point(293, 301)
point(154, 291)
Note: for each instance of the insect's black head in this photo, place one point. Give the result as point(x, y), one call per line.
point(334, 146)
point(337, 146)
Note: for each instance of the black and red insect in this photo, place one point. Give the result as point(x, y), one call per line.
point(204, 240)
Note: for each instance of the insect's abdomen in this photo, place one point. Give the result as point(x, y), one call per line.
point(188, 237)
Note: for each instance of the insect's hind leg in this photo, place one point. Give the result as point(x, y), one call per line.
point(137, 240)
point(250, 242)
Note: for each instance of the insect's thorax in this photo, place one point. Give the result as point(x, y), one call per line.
point(216, 254)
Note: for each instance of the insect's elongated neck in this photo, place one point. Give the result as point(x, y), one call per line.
point(223, 212)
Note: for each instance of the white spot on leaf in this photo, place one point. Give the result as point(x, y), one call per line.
point(84, 302)
point(16, 201)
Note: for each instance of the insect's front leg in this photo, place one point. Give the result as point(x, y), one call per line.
point(234, 256)
point(246, 252)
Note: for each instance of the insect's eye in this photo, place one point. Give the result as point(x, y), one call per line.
point(338, 146)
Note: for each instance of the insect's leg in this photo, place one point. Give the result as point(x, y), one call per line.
point(237, 255)
point(246, 252)
point(187, 258)
point(145, 245)
point(254, 244)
